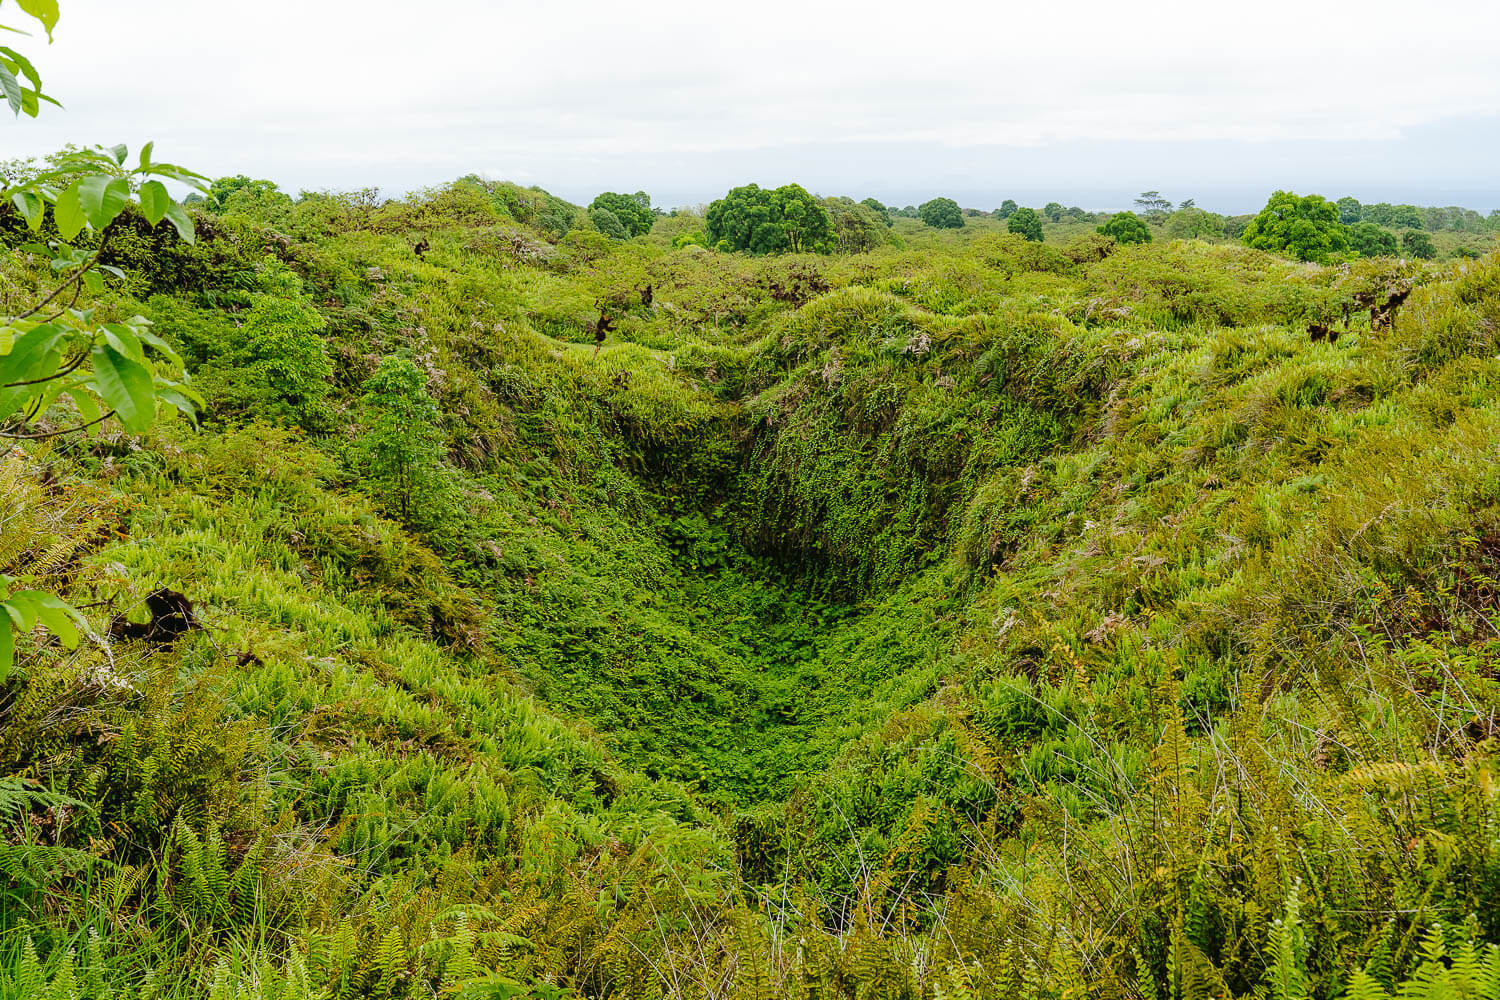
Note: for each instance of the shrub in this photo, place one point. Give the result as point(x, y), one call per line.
point(1025, 222)
point(1126, 227)
point(941, 213)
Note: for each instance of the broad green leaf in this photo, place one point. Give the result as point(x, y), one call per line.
point(23, 66)
point(44, 11)
point(178, 217)
point(112, 270)
point(119, 152)
point(59, 617)
point(147, 337)
point(68, 212)
point(102, 198)
point(31, 207)
point(180, 402)
point(93, 281)
point(183, 174)
point(125, 387)
point(47, 393)
point(7, 647)
point(146, 154)
point(35, 354)
point(12, 88)
point(22, 610)
point(123, 339)
point(88, 409)
point(154, 201)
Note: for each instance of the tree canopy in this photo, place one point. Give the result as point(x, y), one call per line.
point(1370, 240)
point(1307, 228)
point(1007, 209)
point(875, 206)
point(632, 210)
point(856, 227)
point(1126, 227)
point(1025, 222)
point(1152, 203)
point(1189, 223)
point(941, 213)
point(1416, 243)
point(608, 223)
point(762, 220)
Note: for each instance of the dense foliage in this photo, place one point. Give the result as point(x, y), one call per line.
point(941, 613)
point(761, 221)
point(941, 213)
point(1126, 227)
point(631, 211)
point(1307, 228)
point(1025, 222)
point(1370, 240)
point(1058, 617)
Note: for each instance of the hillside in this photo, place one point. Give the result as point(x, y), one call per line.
point(969, 617)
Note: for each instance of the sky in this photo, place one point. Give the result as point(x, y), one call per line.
point(1086, 102)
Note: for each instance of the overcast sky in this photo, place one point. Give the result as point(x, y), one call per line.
point(1085, 102)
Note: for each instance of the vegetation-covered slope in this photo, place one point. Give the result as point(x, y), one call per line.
point(972, 618)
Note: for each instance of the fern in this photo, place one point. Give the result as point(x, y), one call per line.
point(1466, 972)
point(1288, 945)
point(390, 962)
point(1363, 986)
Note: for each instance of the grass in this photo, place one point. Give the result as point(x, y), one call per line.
point(957, 619)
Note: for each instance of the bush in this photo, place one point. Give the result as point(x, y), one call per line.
point(1416, 243)
point(1307, 228)
point(275, 367)
point(1025, 222)
point(607, 223)
point(941, 213)
point(631, 211)
point(1126, 227)
point(1370, 240)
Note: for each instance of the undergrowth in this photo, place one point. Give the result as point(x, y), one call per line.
point(952, 620)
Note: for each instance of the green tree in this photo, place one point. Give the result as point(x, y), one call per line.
point(875, 206)
point(608, 223)
point(632, 211)
point(1193, 224)
point(1151, 203)
point(1407, 217)
point(856, 227)
point(941, 213)
point(804, 220)
point(402, 443)
point(1308, 228)
point(1025, 222)
point(276, 367)
point(1007, 209)
point(760, 220)
point(106, 371)
point(1053, 211)
point(225, 191)
point(1370, 240)
point(1350, 210)
point(1416, 243)
point(1126, 227)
